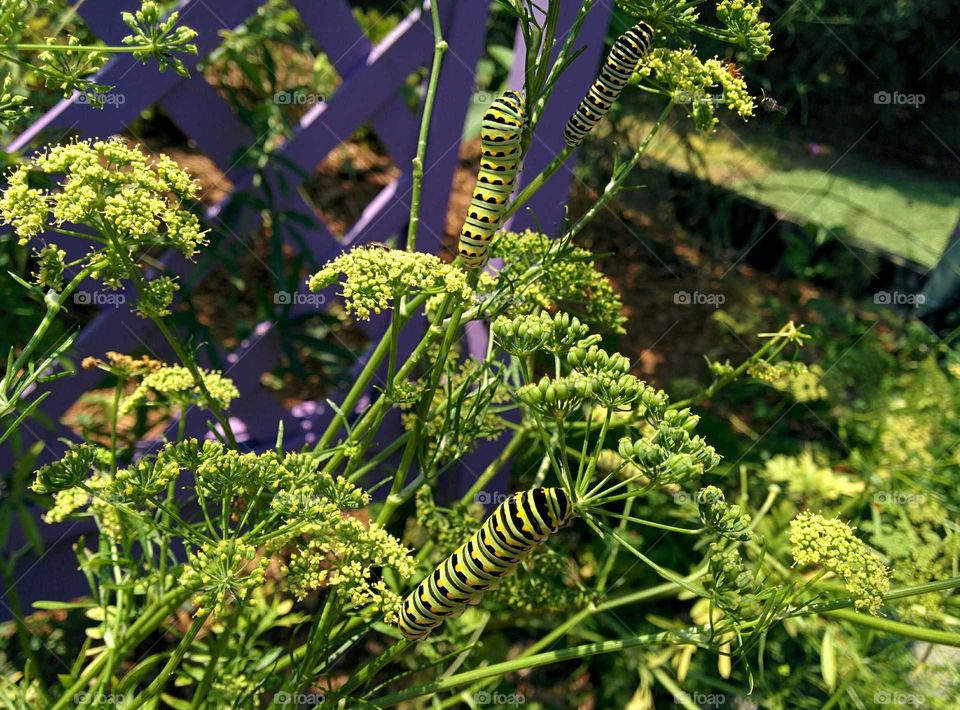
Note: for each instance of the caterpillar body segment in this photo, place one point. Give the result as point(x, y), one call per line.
point(626, 54)
point(500, 133)
point(519, 524)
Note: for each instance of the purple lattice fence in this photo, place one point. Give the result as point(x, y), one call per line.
point(372, 77)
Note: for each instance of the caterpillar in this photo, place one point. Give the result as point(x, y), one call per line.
point(622, 61)
point(523, 521)
point(499, 164)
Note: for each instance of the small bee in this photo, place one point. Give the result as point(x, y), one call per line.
point(769, 104)
point(378, 245)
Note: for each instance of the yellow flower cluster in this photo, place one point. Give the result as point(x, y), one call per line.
point(569, 278)
point(375, 277)
point(175, 384)
point(696, 85)
point(831, 544)
point(110, 186)
point(800, 380)
point(342, 551)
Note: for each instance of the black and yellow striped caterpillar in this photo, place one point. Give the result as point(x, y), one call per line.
point(499, 163)
point(622, 61)
point(519, 524)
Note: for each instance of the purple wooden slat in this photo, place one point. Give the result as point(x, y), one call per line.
point(327, 125)
point(340, 37)
point(547, 204)
point(140, 85)
point(203, 115)
point(104, 19)
point(455, 87)
point(332, 24)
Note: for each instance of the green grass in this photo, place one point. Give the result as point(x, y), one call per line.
point(898, 210)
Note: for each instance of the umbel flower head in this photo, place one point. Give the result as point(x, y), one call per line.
point(110, 186)
point(175, 384)
point(375, 277)
point(527, 334)
point(696, 85)
point(223, 573)
point(556, 398)
point(568, 280)
point(831, 544)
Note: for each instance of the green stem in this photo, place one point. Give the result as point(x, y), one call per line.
point(616, 182)
point(148, 620)
point(518, 440)
point(534, 661)
point(75, 48)
point(534, 185)
point(163, 676)
point(439, 47)
point(946, 638)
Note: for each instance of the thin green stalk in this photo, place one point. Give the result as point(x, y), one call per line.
point(188, 361)
point(141, 699)
point(394, 499)
point(889, 626)
point(616, 182)
point(54, 303)
point(439, 47)
point(149, 619)
point(361, 385)
point(370, 669)
point(534, 661)
point(514, 445)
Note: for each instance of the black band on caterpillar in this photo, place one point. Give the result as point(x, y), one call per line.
point(523, 521)
point(499, 163)
point(622, 61)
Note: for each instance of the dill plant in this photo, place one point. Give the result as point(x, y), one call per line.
point(274, 575)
